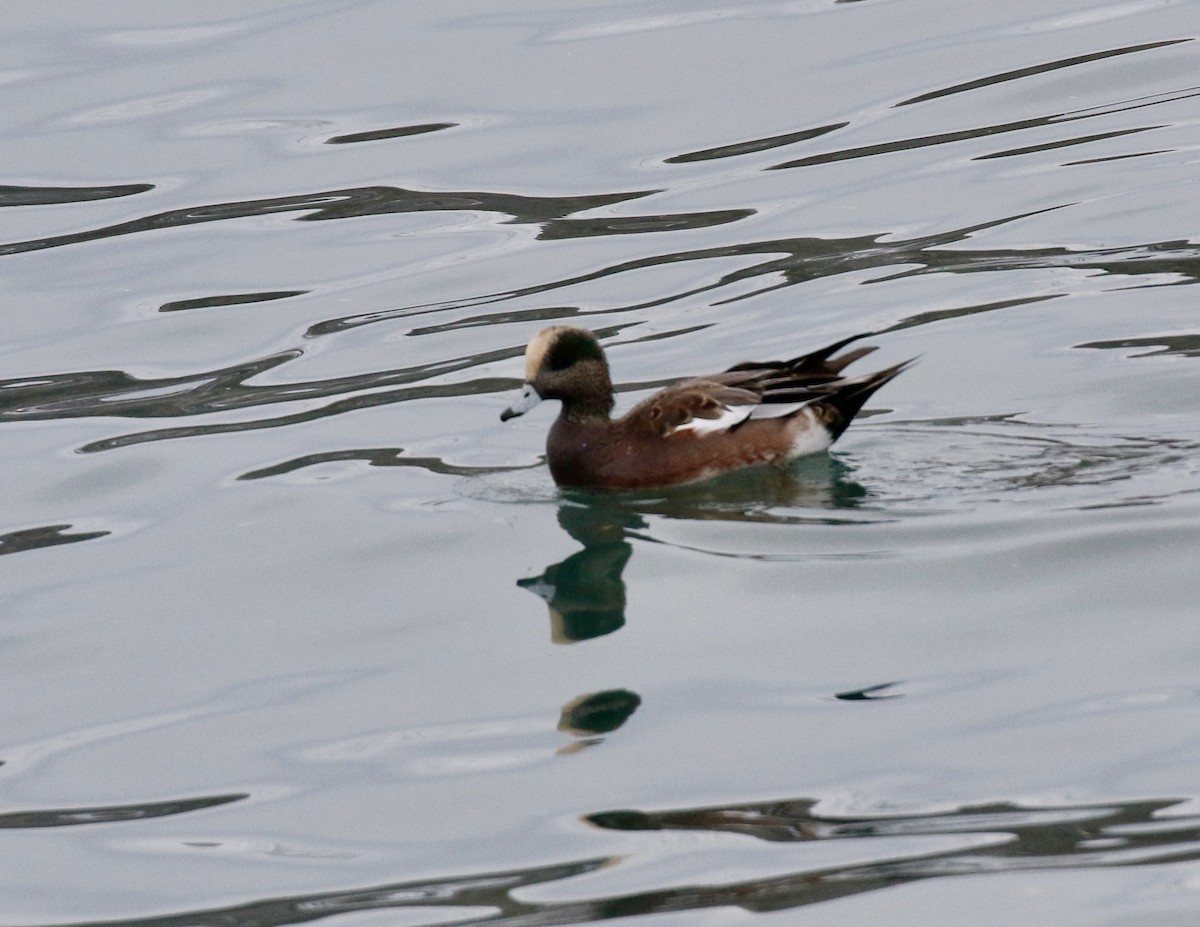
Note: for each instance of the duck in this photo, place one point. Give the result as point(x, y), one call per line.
point(755, 413)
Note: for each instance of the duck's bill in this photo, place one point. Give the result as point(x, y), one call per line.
point(527, 400)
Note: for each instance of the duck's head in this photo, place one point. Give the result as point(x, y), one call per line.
point(565, 363)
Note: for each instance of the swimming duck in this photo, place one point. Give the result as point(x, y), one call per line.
point(768, 412)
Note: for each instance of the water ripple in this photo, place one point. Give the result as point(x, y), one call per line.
point(47, 536)
point(1032, 70)
point(787, 262)
point(986, 839)
point(341, 204)
point(107, 814)
point(376, 135)
point(54, 196)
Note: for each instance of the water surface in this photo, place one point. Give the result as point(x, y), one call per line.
point(294, 629)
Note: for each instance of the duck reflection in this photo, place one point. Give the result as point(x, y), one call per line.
point(586, 594)
point(589, 717)
point(598, 712)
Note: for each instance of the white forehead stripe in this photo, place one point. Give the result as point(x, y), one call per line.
point(535, 353)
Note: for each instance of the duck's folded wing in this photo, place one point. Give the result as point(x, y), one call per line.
point(696, 406)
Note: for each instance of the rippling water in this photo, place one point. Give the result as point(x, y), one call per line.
point(294, 629)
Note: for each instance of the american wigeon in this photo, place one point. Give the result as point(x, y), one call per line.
point(753, 413)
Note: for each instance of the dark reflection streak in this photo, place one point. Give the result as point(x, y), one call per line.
point(1154, 285)
point(115, 393)
point(53, 196)
point(50, 536)
point(924, 141)
point(945, 138)
point(348, 322)
point(554, 314)
point(332, 326)
point(1063, 143)
point(1039, 829)
point(870, 693)
point(1132, 104)
point(493, 891)
point(1182, 345)
point(767, 518)
point(375, 457)
point(1022, 839)
point(345, 204)
point(1019, 73)
point(381, 134)
point(1120, 157)
point(663, 336)
point(751, 294)
point(635, 225)
point(105, 814)
point(232, 299)
point(1178, 257)
point(469, 388)
point(799, 259)
point(544, 314)
point(842, 251)
point(755, 145)
point(924, 318)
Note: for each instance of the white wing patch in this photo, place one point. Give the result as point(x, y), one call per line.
point(729, 417)
point(809, 434)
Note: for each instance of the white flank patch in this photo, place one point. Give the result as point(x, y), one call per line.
point(812, 438)
point(707, 426)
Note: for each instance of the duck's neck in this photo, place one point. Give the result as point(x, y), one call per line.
point(589, 410)
point(585, 390)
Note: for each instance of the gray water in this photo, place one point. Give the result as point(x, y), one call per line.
point(292, 629)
